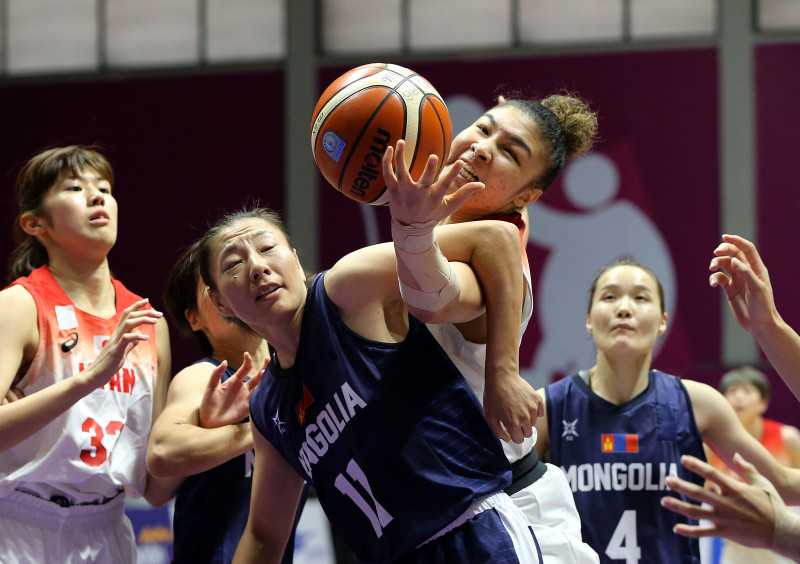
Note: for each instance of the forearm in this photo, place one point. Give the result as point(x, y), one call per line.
point(781, 346)
point(25, 417)
point(252, 549)
point(498, 267)
point(186, 449)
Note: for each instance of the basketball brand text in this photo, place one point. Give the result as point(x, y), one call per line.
point(371, 168)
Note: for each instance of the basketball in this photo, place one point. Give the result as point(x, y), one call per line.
point(368, 109)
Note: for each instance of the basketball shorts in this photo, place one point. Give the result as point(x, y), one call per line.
point(36, 530)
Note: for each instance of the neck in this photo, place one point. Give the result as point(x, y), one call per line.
point(464, 216)
point(87, 283)
point(233, 351)
point(620, 380)
point(284, 338)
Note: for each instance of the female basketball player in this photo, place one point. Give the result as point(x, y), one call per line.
point(517, 149)
point(619, 429)
point(90, 362)
point(359, 399)
point(214, 460)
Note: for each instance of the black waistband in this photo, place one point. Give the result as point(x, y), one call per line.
point(63, 501)
point(526, 471)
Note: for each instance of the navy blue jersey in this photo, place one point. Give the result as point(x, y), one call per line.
point(389, 434)
point(616, 458)
point(211, 508)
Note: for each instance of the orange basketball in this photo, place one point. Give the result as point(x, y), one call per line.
point(368, 109)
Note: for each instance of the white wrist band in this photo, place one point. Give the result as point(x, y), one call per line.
point(415, 246)
point(786, 539)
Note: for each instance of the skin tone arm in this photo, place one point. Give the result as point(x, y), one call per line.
point(750, 298)
point(510, 404)
point(748, 512)
point(276, 492)
point(19, 337)
point(721, 429)
point(159, 491)
point(180, 444)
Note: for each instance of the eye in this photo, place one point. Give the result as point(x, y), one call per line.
point(267, 248)
point(105, 190)
point(513, 155)
point(230, 264)
point(74, 188)
point(482, 128)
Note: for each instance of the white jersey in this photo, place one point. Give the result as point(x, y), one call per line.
point(97, 447)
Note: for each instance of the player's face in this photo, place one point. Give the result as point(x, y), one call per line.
point(208, 319)
point(625, 316)
point(258, 275)
point(746, 401)
point(80, 213)
point(502, 150)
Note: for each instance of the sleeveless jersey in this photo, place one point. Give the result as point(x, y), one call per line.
point(616, 458)
point(389, 434)
point(211, 507)
point(470, 358)
point(97, 447)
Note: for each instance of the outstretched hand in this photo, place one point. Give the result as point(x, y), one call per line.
point(511, 407)
point(746, 285)
point(742, 512)
point(425, 199)
point(124, 338)
point(228, 402)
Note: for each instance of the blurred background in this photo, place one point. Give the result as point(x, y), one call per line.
point(205, 105)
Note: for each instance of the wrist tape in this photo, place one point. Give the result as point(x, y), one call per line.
point(415, 246)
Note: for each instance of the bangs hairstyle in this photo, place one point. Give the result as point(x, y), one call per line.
point(35, 178)
point(627, 262)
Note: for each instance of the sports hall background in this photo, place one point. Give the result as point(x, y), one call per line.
point(698, 119)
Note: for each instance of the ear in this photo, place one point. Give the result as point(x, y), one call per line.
point(527, 196)
point(31, 224)
point(501, 99)
point(589, 324)
point(216, 299)
point(762, 406)
point(191, 316)
point(662, 327)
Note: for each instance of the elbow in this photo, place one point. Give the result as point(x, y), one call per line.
point(159, 463)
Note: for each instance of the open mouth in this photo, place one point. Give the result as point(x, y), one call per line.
point(468, 173)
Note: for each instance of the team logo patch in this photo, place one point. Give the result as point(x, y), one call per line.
point(70, 343)
point(618, 442)
point(301, 407)
point(278, 423)
point(569, 433)
point(333, 145)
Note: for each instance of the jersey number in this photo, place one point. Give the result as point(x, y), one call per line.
point(97, 454)
point(376, 514)
point(623, 544)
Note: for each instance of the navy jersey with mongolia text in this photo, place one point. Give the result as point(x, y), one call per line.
point(389, 434)
point(616, 458)
point(211, 508)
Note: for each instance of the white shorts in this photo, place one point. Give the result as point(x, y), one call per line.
point(550, 508)
point(36, 531)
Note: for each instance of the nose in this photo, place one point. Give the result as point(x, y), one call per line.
point(96, 197)
point(624, 307)
point(481, 151)
point(259, 268)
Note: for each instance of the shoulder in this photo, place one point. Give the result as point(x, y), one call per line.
point(18, 307)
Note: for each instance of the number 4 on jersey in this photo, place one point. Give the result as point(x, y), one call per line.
point(624, 544)
point(377, 515)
